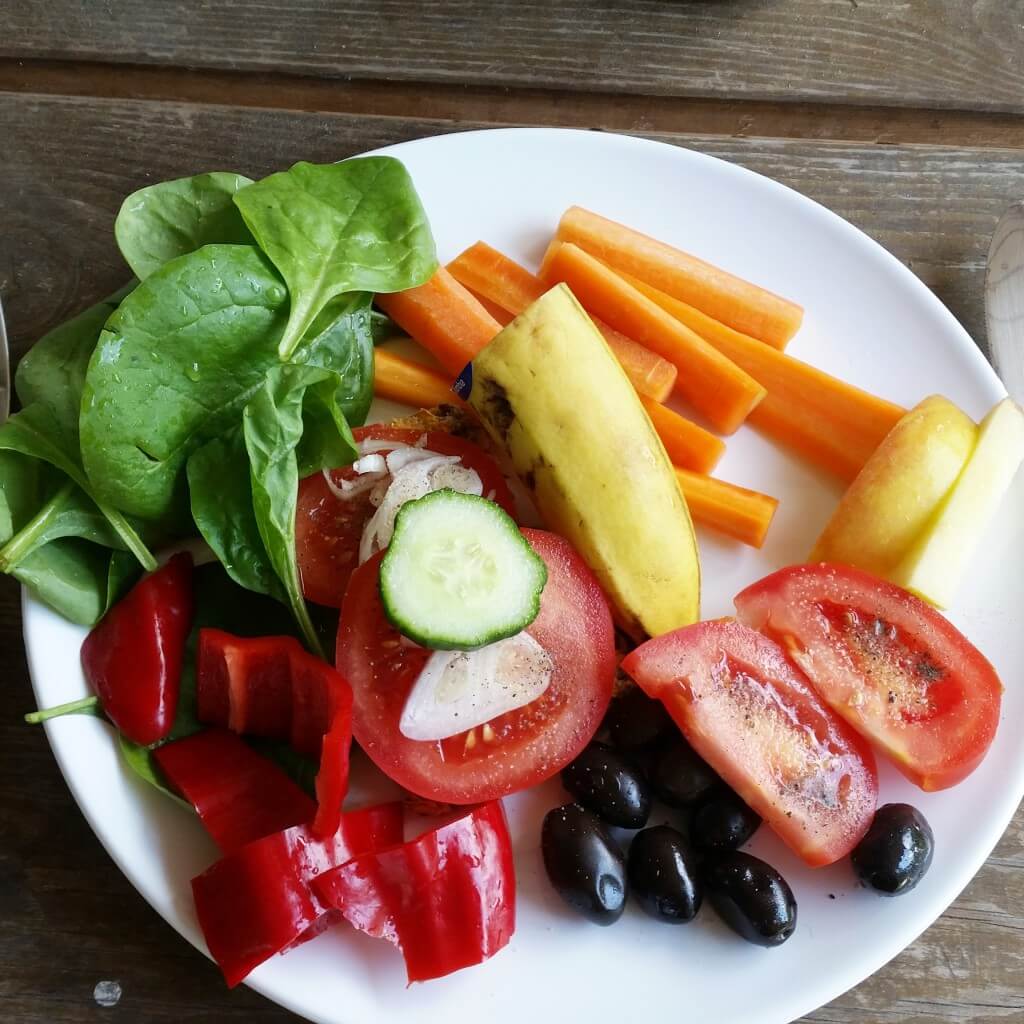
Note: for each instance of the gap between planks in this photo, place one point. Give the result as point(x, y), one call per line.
point(480, 103)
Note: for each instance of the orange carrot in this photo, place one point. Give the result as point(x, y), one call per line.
point(411, 383)
point(687, 444)
point(496, 277)
point(833, 424)
point(499, 281)
point(503, 316)
point(717, 388)
point(732, 510)
point(443, 317)
point(733, 301)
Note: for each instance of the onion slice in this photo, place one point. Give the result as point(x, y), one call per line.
point(458, 690)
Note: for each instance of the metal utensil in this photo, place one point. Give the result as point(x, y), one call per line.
point(1004, 300)
point(5, 369)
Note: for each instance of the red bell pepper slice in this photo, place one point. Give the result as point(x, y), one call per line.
point(132, 659)
point(239, 795)
point(259, 901)
point(446, 899)
point(271, 686)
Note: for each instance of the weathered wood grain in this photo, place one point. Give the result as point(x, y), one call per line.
point(68, 918)
point(475, 101)
point(935, 53)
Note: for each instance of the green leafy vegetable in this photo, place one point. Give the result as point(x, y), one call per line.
point(45, 523)
point(221, 494)
point(275, 429)
point(77, 579)
point(36, 433)
point(336, 228)
point(174, 367)
point(163, 221)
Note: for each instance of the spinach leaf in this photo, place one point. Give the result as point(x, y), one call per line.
point(221, 494)
point(341, 339)
point(274, 427)
point(77, 579)
point(52, 372)
point(67, 512)
point(174, 366)
point(44, 529)
point(335, 228)
point(36, 433)
point(163, 221)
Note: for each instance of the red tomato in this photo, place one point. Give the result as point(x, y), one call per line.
point(515, 750)
point(899, 672)
point(751, 714)
point(328, 529)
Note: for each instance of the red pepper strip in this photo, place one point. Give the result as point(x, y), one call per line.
point(271, 686)
point(259, 901)
point(446, 899)
point(239, 795)
point(132, 659)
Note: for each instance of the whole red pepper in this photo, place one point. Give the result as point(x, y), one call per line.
point(446, 899)
point(239, 795)
point(132, 658)
point(259, 901)
point(271, 686)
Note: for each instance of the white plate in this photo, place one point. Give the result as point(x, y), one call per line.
point(870, 321)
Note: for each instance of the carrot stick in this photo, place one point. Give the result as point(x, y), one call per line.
point(497, 277)
point(735, 302)
point(404, 381)
point(827, 421)
point(503, 316)
point(444, 318)
point(717, 388)
point(687, 444)
point(499, 281)
point(732, 510)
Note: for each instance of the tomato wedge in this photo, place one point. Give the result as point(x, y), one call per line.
point(899, 672)
point(514, 750)
point(754, 717)
point(328, 529)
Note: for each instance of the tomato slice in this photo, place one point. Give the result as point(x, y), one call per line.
point(515, 750)
point(754, 717)
point(328, 529)
point(899, 672)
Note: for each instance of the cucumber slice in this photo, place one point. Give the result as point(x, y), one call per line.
point(458, 574)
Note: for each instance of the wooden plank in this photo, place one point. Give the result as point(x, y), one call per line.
point(68, 918)
point(930, 53)
point(607, 111)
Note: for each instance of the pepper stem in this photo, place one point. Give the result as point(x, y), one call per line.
point(84, 706)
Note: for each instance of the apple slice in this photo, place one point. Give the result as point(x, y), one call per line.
point(935, 564)
point(897, 493)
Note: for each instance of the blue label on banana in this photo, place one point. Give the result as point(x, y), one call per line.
point(464, 383)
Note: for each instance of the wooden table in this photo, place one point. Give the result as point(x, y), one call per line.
point(904, 118)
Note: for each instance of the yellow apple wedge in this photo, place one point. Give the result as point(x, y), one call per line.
point(897, 492)
point(935, 564)
point(552, 394)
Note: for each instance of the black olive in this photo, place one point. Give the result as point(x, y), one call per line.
point(897, 850)
point(611, 785)
point(752, 898)
point(662, 875)
point(679, 775)
point(722, 821)
point(635, 721)
point(584, 863)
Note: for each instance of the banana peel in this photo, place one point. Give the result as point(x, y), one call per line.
point(551, 393)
